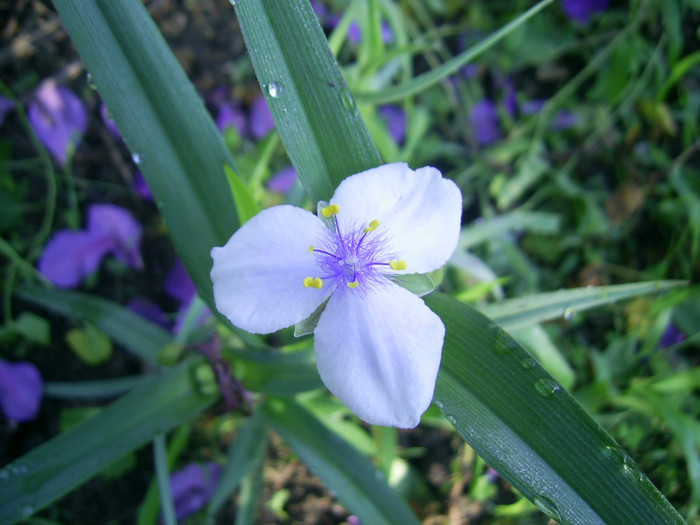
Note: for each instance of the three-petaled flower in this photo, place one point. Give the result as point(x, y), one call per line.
point(377, 345)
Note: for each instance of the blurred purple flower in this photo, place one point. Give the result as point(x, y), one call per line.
point(21, 390)
point(671, 336)
point(71, 255)
point(581, 10)
point(484, 120)
point(395, 119)
point(193, 486)
point(321, 11)
point(231, 116)
point(6, 105)
point(59, 118)
point(355, 33)
point(261, 121)
point(564, 119)
point(108, 122)
point(179, 285)
point(510, 101)
point(149, 310)
point(283, 181)
point(141, 186)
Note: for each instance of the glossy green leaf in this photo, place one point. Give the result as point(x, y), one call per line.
point(121, 324)
point(245, 204)
point(524, 311)
point(532, 432)
point(51, 470)
point(315, 114)
point(358, 483)
point(163, 121)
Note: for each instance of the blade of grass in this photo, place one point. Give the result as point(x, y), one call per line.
point(308, 97)
point(142, 337)
point(358, 483)
point(55, 468)
point(532, 432)
point(163, 121)
point(432, 77)
point(526, 311)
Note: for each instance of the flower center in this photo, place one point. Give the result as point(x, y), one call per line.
point(352, 257)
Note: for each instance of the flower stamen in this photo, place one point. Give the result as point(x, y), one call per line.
point(372, 226)
point(313, 282)
point(353, 284)
point(398, 265)
point(330, 210)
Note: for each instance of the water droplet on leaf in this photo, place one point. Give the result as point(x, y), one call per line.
point(348, 101)
point(547, 506)
point(27, 511)
point(91, 82)
point(568, 313)
point(528, 363)
point(546, 387)
point(274, 89)
point(137, 158)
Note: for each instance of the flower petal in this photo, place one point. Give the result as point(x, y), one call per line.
point(59, 118)
point(70, 256)
point(258, 275)
point(21, 390)
point(419, 212)
point(379, 353)
point(122, 228)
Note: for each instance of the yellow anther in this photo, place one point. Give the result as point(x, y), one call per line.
point(372, 226)
point(331, 209)
point(353, 284)
point(398, 265)
point(313, 282)
point(311, 248)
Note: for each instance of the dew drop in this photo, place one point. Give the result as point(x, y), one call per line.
point(528, 363)
point(348, 101)
point(451, 419)
point(232, 2)
point(137, 158)
point(546, 387)
point(91, 82)
point(628, 465)
point(27, 511)
point(547, 506)
point(568, 313)
point(274, 89)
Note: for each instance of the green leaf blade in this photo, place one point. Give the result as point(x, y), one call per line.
point(357, 482)
point(163, 121)
point(53, 469)
point(532, 432)
point(315, 114)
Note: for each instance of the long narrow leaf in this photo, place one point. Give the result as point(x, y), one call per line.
point(525, 311)
point(315, 114)
point(61, 464)
point(532, 432)
point(142, 337)
point(164, 122)
point(357, 482)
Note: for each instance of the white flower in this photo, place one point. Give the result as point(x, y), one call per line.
point(377, 345)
